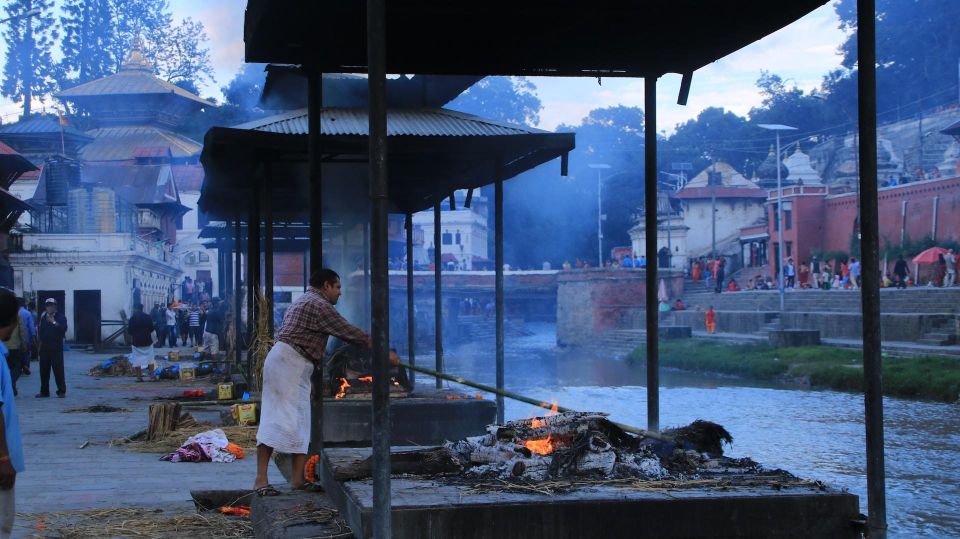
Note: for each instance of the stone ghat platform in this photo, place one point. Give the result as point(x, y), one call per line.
point(438, 508)
point(421, 418)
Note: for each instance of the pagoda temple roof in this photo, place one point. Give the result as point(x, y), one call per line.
point(12, 165)
point(40, 125)
point(136, 77)
point(122, 143)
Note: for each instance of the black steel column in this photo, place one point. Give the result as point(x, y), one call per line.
point(870, 276)
point(498, 261)
point(380, 300)
point(314, 108)
point(411, 329)
point(267, 201)
point(437, 294)
point(650, 220)
point(237, 292)
point(366, 275)
point(253, 276)
point(227, 282)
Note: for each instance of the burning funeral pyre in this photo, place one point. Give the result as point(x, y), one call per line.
point(348, 375)
point(565, 451)
point(574, 444)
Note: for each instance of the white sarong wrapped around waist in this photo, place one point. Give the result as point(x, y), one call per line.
point(285, 401)
point(141, 356)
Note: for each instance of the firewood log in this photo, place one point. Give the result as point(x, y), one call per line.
point(163, 418)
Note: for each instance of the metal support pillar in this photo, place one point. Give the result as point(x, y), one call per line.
point(498, 257)
point(315, 156)
point(380, 300)
point(314, 108)
point(237, 293)
point(267, 202)
point(226, 285)
point(870, 259)
point(253, 277)
point(650, 220)
point(437, 294)
point(411, 320)
point(366, 276)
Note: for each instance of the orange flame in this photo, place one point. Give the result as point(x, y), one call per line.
point(343, 388)
point(543, 446)
point(366, 379)
point(535, 423)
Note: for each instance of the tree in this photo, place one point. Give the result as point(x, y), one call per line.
point(98, 36)
point(179, 54)
point(136, 20)
point(86, 42)
point(29, 70)
point(715, 133)
point(917, 50)
point(505, 99)
point(241, 103)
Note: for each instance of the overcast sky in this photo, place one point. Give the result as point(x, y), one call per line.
point(802, 52)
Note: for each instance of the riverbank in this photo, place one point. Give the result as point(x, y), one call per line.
point(928, 378)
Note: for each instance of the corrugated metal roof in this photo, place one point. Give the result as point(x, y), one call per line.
point(40, 125)
point(418, 122)
point(122, 143)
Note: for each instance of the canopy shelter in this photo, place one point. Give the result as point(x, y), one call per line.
point(432, 153)
point(560, 38)
point(502, 37)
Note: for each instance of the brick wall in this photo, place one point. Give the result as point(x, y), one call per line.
point(916, 221)
point(591, 302)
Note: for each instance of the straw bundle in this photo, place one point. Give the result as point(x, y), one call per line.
point(261, 340)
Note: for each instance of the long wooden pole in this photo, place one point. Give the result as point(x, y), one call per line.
point(528, 400)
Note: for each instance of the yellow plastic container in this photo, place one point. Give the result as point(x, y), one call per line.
point(247, 414)
point(225, 391)
point(173, 356)
point(187, 373)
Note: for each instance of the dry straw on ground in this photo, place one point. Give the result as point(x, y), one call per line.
point(133, 523)
point(245, 437)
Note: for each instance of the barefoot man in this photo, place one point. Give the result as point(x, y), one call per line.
point(285, 400)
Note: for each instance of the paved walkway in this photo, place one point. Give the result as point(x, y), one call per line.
point(60, 476)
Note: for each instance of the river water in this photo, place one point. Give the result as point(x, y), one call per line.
point(813, 434)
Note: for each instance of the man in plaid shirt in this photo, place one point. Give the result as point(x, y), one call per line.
point(285, 401)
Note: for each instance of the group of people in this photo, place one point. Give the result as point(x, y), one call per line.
point(194, 291)
point(187, 322)
point(710, 269)
point(37, 337)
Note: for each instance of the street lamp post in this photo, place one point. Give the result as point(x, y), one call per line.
point(599, 168)
point(778, 128)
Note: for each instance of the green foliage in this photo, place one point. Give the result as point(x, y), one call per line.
point(714, 133)
point(86, 41)
point(917, 51)
point(934, 378)
point(29, 71)
point(506, 99)
point(98, 36)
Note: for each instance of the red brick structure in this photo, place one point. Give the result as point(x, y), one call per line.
point(817, 221)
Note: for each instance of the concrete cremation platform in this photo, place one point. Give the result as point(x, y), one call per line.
point(675, 332)
point(783, 338)
point(429, 508)
point(422, 418)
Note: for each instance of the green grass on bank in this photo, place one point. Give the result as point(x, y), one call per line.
point(931, 378)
